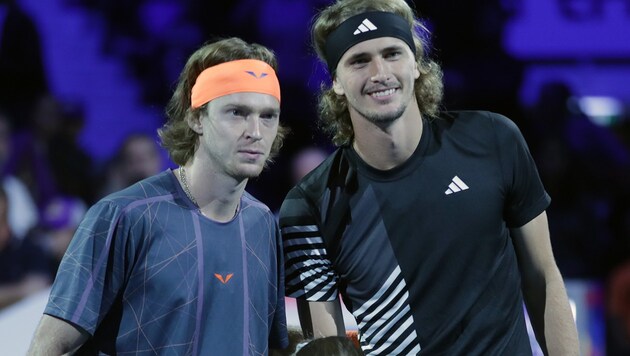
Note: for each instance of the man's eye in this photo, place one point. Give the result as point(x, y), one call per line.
point(269, 116)
point(359, 61)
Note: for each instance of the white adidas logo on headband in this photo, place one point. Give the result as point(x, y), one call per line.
point(365, 26)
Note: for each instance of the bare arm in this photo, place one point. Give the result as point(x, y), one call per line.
point(543, 289)
point(321, 319)
point(56, 337)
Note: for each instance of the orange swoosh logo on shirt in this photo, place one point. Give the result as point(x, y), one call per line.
point(225, 279)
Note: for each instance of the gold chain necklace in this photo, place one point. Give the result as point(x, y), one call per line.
point(182, 177)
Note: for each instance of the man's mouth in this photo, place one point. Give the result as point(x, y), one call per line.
point(252, 153)
point(383, 93)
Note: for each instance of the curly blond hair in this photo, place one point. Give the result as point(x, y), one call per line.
point(333, 109)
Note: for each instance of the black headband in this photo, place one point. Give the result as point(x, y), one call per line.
point(363, 27)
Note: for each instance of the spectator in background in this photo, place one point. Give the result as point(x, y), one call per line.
point(30, 162)
point(584, 168)
point(23, 269)
point(48, 157)
point(23, 214)
point(71, 164)
point(31, 158)
point(22, 74)
point(138, 157)
point(596, 147)
point(60, 219)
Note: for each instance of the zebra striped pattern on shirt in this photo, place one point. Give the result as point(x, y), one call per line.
point(385, 321)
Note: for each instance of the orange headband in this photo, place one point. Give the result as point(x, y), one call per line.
point(243, 75)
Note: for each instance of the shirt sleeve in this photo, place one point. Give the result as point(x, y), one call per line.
point(526, 197)
point(309, 272)
point(91, 273)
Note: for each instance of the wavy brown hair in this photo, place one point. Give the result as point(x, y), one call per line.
point(333, 108)
point(176, 136)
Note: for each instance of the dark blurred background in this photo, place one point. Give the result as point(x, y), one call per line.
point(83, 85)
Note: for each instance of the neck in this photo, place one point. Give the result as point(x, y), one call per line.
point(217, 196)
point(386, 147)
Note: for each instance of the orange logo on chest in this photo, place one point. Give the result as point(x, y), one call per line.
point(225, 279)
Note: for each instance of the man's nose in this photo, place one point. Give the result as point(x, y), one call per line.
point(253, 128)
point(379, 70)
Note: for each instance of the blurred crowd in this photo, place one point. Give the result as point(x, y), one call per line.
point(48, 180)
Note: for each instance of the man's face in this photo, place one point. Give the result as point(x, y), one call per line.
point(377, 78)
point(237, 133)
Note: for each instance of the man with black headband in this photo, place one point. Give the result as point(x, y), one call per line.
point(431, 225)
point(185, 262)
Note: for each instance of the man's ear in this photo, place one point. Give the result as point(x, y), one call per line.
point(194, 122)
point(337, 87)
point(416, 71)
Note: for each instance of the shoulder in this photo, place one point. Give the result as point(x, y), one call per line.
point(137, 196)
point(482, 127)
point(250, 202)
point(159, 185)
point(473, 119)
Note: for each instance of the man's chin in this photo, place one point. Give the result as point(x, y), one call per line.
point(383, 117)
point(250, 171)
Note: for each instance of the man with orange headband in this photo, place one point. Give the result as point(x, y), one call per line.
point(430, 224)
point(185, 262)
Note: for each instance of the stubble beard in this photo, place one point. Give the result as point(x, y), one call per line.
point(382, 118)
point(249, 170)
point(236, 169)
